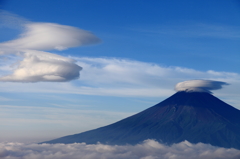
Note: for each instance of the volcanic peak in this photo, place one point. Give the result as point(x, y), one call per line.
point(192, 116)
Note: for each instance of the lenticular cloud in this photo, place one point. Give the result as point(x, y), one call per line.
point(149, 149)
point(48, 36)
point(199, 85)
point(40, 66)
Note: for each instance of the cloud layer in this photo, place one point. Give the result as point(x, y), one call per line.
point(122, 77)
point(149, 149)
point(36, 65)
point(199, 85)
point(128, 77)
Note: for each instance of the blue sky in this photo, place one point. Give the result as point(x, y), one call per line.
point(132, 54)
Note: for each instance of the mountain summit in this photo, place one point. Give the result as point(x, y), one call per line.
point(192, 116)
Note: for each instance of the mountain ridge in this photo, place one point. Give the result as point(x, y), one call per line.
point(192, 116)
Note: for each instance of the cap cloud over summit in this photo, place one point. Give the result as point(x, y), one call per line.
point(199, 86)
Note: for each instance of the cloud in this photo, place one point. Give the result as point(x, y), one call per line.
point(199, 85)
point(112, 73)
point(197, 30)
point(49, 36)
point(11, 20)
point(127, 78)
point(123, 77)
point(149, 149)
point(42, 66)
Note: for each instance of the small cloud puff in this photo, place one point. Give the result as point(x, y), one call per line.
point(199, 86)
point(149, 149)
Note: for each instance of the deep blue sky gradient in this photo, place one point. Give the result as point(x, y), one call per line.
point(171, 33)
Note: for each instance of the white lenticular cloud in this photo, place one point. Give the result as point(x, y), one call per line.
point(49, 36)
point(42, 66)
point(149, 149)
point(199, 85)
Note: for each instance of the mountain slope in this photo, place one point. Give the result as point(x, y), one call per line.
point(193, 116)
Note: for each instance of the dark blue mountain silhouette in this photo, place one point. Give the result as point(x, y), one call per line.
point(192, 116)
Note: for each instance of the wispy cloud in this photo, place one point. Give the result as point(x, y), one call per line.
point(128, 74)
point(123, 77)
point(195, 30)
point(149, 149)
point(11, 20)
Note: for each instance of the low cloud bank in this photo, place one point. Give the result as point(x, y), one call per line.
point(149, 149)
point(199, 86)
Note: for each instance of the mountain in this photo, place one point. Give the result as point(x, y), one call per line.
point(192, 116)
